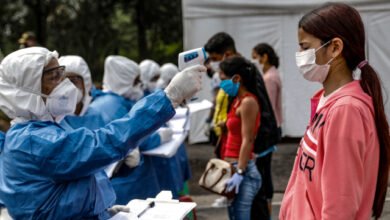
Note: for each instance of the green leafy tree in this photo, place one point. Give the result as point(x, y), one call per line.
point(137, 29)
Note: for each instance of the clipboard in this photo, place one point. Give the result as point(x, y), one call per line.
point(162, 209)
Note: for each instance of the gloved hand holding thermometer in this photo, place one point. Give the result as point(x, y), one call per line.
point(192, 57)
point(186, 83)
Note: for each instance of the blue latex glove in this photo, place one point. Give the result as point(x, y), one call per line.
point(234, 182)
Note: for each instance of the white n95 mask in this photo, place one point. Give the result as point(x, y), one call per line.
point(151, 86)
point(161, 84)
point(62, 100)
point(215, 65)
point(258, 65)
point(79, 95)
point(310, 70)
point(135, 93)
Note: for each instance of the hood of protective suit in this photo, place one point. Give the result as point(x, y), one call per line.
point(149, 69)
point(119, 75)
point(77, 65)
point(168, 71)
point(20, 84)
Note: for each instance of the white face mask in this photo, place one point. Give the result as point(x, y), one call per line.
point(135, 93)
point(62, 100)
point(151, 86)
point(79, 95)
point(310, 70)
point(258, 65)
point(215, 65)
point(161, 84)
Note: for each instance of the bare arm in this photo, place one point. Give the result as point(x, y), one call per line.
point(249, 110)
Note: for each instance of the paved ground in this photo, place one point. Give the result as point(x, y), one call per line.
point(282, 162)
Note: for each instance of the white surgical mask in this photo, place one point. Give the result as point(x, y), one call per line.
point(79, 95)
point(310, 70)
point(62, 100)
point(161, 84)
point(258, 65)
point(215, 65)
point(135, 93)
point(151, 86)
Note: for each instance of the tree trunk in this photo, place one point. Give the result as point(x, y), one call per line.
point(141, 30)
point(41, 15)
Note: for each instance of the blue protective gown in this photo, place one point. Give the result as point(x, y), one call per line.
point(182, 159)
point(139, 182)
point(51, 173)
point(2, 138)
point(109, 106)
point(171, 172)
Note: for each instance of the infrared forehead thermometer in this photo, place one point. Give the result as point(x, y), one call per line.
point(192, 57)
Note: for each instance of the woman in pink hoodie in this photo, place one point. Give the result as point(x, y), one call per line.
point(342, 164)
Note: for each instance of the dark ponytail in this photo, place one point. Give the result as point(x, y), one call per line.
point(241, 66)
point(329, 21)
point(372, 86)
point(264, 48)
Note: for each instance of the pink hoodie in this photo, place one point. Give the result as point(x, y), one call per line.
point(336, 168)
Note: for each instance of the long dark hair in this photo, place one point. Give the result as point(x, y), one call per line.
point(264, 48)
point(341, 20)
point(244, 68)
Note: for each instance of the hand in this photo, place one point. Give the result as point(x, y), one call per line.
point(118, 208)
point(223, 127)
point(165, 134)
point(133, 158)
point(234, 182)
point(185, 84)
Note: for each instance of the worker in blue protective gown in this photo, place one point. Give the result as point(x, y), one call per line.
point(150, 74)
point(48, 172)
point(121, 82)
point(173, 172)
point(112, 104)
point(77, 71)
point(168, 71)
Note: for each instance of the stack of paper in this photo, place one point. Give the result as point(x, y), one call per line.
point(164, 208)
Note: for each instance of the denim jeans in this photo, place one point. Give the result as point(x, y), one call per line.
point(240, 207)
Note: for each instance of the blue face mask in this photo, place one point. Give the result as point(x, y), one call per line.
point(229, 87)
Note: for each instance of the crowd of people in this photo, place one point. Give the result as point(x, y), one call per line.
point(64, 132)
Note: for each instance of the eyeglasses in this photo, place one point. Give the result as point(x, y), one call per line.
point(75, 78)
point(53, 75)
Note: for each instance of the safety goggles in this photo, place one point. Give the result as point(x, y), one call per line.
point(53, 75)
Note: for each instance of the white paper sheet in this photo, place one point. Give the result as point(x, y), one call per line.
point(200, 106)
point(164, 208)
point(110, 169)
point(168, 149)
point(168, 211)
point(180, 126)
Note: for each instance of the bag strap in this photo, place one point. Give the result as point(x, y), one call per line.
point(219, 179)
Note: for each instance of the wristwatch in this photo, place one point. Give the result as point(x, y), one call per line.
point(240, 171)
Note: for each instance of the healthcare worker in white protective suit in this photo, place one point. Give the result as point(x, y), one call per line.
point(150, 73)
point(49, 172)
point(122, 79)
point(122, 86)
point(168, 71)
point(77, 71)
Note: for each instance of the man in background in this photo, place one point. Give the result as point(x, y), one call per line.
point(28, 39)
